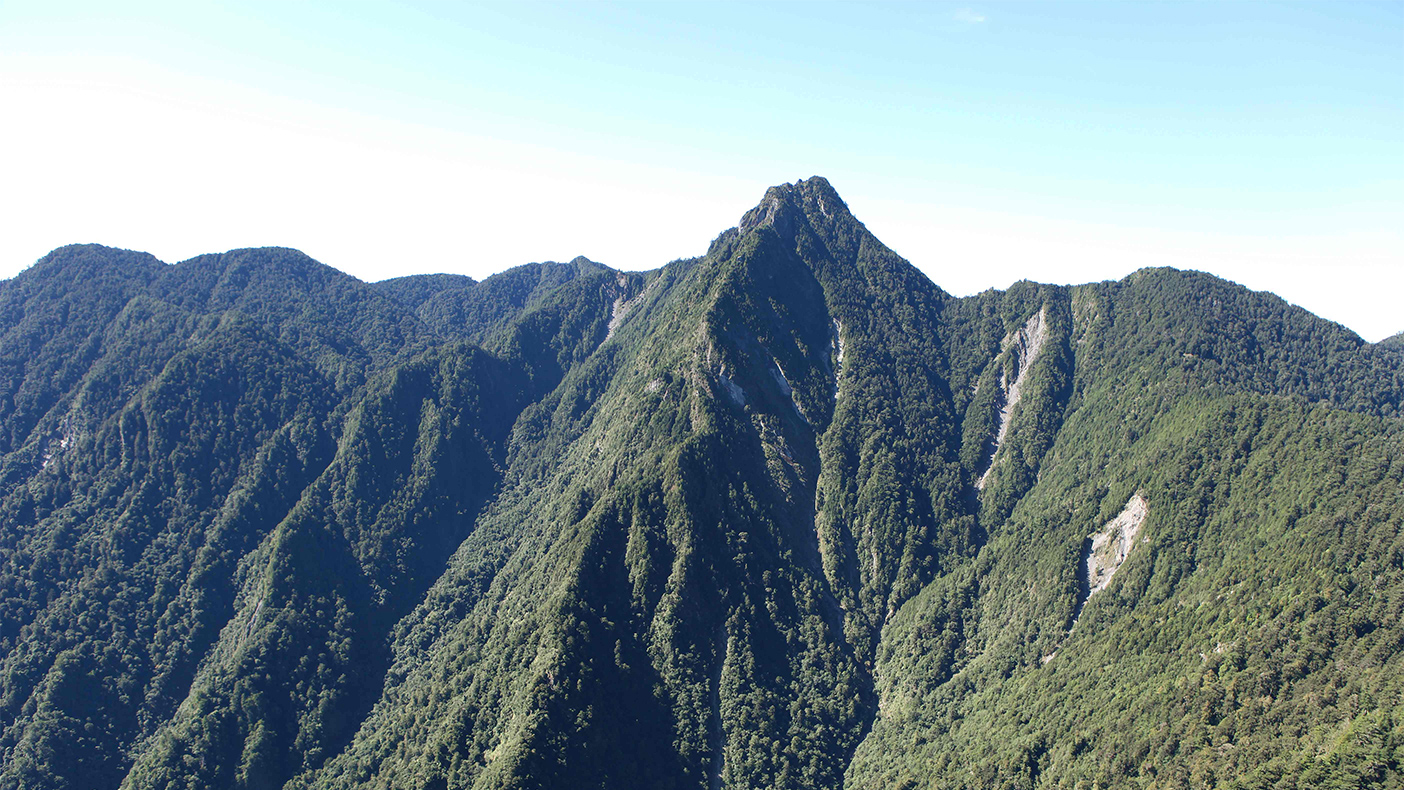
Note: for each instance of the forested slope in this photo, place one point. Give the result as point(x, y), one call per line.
point(784, 515)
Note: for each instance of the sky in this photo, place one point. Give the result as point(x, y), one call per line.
point(986, 143)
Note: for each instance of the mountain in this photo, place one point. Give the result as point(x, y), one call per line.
point(784, 515)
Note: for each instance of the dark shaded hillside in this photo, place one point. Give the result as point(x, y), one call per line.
point(461, 307)
point(784, 515)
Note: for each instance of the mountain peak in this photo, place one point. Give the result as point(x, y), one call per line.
point(812, 198)
point(86, 261)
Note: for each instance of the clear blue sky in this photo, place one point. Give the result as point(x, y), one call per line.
point(984, 141)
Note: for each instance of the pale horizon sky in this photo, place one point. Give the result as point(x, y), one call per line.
point(985, 142)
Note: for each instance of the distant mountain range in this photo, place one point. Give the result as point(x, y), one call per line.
point(786, 515)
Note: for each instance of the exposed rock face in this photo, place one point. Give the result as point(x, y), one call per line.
point(617, 312)
point(1106, 549)
point(731, 388)
point(1022, 346)
point(836, 354)
point(624, 304)
point(1103, 553)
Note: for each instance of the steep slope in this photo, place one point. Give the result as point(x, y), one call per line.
point(52, 331)
point(754, 382)
point(117, 551)
point(185, 411)
point(1267, 502)
point(784, 515)
point(651, 567)
point(1253, 632)
point(302, 656)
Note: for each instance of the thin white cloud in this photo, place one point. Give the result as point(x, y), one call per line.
point(968, 16)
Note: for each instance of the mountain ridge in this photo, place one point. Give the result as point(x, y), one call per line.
point(786, 514)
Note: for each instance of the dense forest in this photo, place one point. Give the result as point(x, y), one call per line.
point(785, 515)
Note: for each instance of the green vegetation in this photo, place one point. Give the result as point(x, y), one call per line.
point(785, 515)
